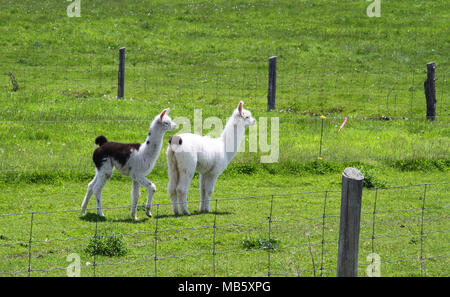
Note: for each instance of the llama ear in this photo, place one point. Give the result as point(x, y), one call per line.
point(164, 112)
point(240, 107)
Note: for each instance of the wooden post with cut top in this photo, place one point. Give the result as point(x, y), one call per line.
point(351, 198)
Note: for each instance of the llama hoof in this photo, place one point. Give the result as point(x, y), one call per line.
point(149, 214)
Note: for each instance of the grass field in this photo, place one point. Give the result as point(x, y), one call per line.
point(333, 60)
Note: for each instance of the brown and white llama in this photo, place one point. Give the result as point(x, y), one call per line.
point(134, 160)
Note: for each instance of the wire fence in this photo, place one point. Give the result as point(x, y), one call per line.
point(301, 89)
point(62, 91)
point(263, 235)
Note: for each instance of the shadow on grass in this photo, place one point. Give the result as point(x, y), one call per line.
point(130, 220)
point(195, 213)
point(93, 217)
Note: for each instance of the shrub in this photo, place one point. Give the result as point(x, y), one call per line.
point(242, 168)
point(422, 164)
point(106, 245)
point(370, 178)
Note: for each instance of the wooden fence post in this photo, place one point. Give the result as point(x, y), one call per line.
point(351, 197)
point(430, 91)
point(121, 78)
point(13, 81)
point(271, 94)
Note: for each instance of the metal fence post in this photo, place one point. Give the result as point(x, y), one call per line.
point(430, 91)
point(271, 94)
point(214, 241)
point(269, 245)
point(351, 197)
point(156, 239)
point(29, 244)
point(121, 76)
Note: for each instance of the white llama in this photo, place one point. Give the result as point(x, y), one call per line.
point(188, 153)
point(133, 160)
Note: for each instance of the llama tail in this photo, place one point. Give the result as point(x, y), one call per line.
point(175, 142)
point(172, 163)
point(101, 140)
point(172, 170)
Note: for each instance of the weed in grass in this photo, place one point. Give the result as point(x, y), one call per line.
point(107, 245)
point(250, 243)
point(413, 240)
point(422, 164)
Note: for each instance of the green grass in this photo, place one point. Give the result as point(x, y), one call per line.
point(189, 251)
point(332, 60)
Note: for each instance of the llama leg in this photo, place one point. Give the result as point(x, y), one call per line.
point(182, 190)
point(103, 175)
point(134, 199)
point(87, 197)
point(209, 181)
point(151, 189)
point(172, 189)
point(202, 192)
point(98, 188)
point(173, 181)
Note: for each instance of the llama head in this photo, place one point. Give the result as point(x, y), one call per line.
point(243, 116)
point(163, 121)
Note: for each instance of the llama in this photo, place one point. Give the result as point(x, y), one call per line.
point(134, 160)
point(188, 153)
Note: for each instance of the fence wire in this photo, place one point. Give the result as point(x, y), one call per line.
point(309, 242)
point(395, 92)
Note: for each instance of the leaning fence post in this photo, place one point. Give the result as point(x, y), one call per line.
point(351, 197)
point(13, 81)
point(271, 94)
point(121, 76)
point(430, 91)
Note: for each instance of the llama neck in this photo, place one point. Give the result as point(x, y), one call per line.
point(153, 142)
point(232, 137)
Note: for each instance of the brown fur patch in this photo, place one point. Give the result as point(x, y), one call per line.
point(118, 151)
point(176, 138)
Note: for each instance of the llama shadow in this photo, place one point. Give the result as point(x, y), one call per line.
point(130, 221)
point(93, 217)
point(195, 213)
